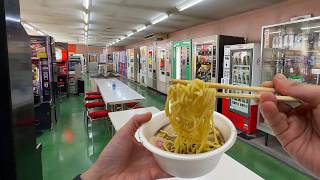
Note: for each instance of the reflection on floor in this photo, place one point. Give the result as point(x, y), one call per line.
point(67, 149)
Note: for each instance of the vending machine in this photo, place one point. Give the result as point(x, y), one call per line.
point(123, 63)
point(42, 57)
point(116, 62)
point(204, 58)
point(182, 60)
point(242, 66)
point(291, 49)
point(163, 63)
point(152, 66)
point(143, 66)
point(136, 69)
point(130, 64)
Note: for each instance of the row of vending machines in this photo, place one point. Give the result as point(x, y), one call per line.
point(292, 49)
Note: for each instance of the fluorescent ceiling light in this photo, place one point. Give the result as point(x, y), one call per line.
point(122, 38)
point(275, 32)
point(28, 26)
point(86, 27)
point(85, 33)
point(314, 27)
point(41, 33)
point(317, 31)
point(85, 17)
point(143, 27)
point(130, 34)
point(86, 4)
point(159, 19)
point(187, 4)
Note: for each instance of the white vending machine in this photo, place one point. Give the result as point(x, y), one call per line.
point(143, 66)
point(130, 64)
point(163, 63)
point(152, 67)
point(242, 66)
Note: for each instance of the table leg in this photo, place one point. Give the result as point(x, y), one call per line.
point(266, 139)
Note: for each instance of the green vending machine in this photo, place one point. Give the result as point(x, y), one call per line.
point(182, 60)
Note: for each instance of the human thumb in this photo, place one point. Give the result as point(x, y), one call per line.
point(136, 121)
point(305, 92)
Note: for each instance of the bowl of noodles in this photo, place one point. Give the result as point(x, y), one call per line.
point(188, 139)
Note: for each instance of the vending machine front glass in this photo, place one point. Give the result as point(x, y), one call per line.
point(241, 61)
point(205, 60)
point(291, 49)
point(181, 66)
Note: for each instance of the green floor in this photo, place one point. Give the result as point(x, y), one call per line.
point(68, 152)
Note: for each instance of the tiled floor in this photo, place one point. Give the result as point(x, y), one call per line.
point(68, 152)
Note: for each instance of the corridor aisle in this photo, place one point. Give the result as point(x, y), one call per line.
point(66, 149)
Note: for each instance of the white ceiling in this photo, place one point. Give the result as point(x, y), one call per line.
point(113, 19)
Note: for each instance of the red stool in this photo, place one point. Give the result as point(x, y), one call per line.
point(91, 105)
point(95, 116)
point(94, 105)
point(92, 97)
point(93, 93)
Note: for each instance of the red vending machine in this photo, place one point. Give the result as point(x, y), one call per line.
point(242, 66)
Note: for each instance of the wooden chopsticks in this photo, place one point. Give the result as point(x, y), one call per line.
point(243, 88)
point(227, 86)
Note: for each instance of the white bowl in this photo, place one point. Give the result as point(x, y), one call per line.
point(187, 165)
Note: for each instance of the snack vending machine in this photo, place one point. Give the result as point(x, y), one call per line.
point(123, 63)
point(143, 65)
point(42, 57)
point(181, 61)
point(204, 59)
point(130, 64)
point(242, 66)
point(152, 66)
point(163, 63)
point(137, 65)
point(291, 49)
point(116, 62)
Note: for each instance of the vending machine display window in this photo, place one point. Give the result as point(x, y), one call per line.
point(241, 75)
point(291, 49)
point(182, 57)
point(205, 57)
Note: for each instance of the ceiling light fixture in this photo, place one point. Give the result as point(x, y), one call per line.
point(122, 38)
point(187, 4)
point(86, 34)
point(307, 28)
point(85, 17)
point(275, 32)
point(41, 33)
point(86, 27)
point(143, 27)
point(86, 4)
point(130, 34)
point(160, 18)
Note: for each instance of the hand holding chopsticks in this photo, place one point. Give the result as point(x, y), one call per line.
point(243, 88)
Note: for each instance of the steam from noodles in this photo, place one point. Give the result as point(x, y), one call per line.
point(190, 111)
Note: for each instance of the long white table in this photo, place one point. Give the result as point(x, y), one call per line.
point(120, 118)
point(227, 168)
point(115, 92)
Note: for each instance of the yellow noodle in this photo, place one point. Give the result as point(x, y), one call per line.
point(190, 112)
